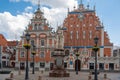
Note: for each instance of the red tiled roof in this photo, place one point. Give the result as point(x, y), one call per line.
point(3, 41)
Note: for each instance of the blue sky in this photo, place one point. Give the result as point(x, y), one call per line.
point(107, 10)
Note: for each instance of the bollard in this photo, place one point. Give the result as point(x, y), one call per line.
point(90, 73)
point(11, 75)
point(41, 71)
point(39, 78)
point(105, 76)
point(89, 77)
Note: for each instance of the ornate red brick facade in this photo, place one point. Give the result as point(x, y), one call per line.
point(82, 27)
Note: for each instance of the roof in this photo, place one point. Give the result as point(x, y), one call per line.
point(3, 41)
point(12, 43)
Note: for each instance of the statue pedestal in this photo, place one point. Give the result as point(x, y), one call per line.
point(58, 68)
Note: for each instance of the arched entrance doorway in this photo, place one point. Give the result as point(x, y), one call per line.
point(77, 65)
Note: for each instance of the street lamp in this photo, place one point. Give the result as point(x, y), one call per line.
point(77, 54)
point(33, 53)
point(27, 47)
point(95, 49)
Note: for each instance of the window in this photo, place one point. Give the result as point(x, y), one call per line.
point(77, 34)
point(42, 55)
point(90, 24)
point(83, 34)
point(90, 34)
point(42, 43)
point(52, 53)
point(22, 54)
point(115, 53)
point(31, 64)
point(42, 64)
point(71, 18)
point(71, 32)
point(83, 25)
point(91, 66)
point(71, 25)
point(77, 25)
point(32, 42)
point(31, 55)
point(101, 66)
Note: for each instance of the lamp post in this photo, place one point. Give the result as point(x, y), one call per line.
point(33, 53)
point(27, 47)
point(95, 49)
point(77, 54)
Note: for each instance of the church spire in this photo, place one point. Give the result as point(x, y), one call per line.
point(38, 4)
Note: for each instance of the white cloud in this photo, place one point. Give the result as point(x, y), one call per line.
point(28, 9)
point(55, 3)
point(55, 15)
point(13, 26)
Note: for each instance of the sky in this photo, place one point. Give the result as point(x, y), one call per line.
point(16, 14)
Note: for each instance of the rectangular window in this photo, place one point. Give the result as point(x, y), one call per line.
point(77, 35)
point(52, 53)
point(83, 34)
point(42, 64)
point(71, 33)
point(31, 64)
point(42, 43)
point(42, 55)
point(32, 42)
point(31, 55)
point(22, 54)
point(90, 34)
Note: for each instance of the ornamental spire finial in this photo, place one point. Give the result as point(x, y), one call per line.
point(38, 4)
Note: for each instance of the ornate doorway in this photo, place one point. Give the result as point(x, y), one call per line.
point(77, 65)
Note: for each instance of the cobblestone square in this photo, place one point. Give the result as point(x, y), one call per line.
point(73, 76)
